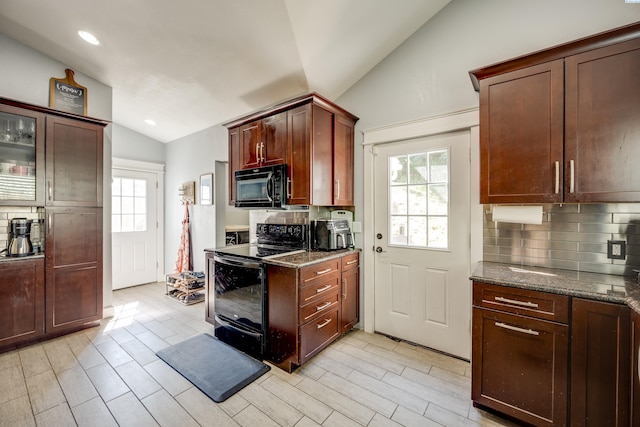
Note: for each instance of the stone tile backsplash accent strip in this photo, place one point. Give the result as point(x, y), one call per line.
point(7, 213)
point(571, 237)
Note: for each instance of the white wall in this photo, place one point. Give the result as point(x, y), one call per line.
point(131, 145)
point(428, 74)
point(186, 159)
point(25, 77)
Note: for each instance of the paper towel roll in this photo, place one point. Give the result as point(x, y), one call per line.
point(518, 214)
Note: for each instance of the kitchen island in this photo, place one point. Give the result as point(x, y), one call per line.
point(313, 298)
point(555, 347)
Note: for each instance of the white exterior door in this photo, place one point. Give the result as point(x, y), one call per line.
point(422, 216)
point(134, 227)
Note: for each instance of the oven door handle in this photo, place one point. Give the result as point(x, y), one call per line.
point(236, 262)
point(237, 327)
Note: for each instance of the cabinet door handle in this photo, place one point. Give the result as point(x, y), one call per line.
point(49, 220)
point(323, 306)
point(50, 190)
point(323, 324)
point(262, 151)
point(557, 177)
point(516, 329)
point(344, 288)
point(321, 272)
point(324, 288)
point(515, 302)
point(337, 186)
point(572, 185)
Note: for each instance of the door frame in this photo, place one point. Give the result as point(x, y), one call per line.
point(461, 120)
point(158, 170)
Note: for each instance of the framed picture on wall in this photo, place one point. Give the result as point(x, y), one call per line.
point(206, 189)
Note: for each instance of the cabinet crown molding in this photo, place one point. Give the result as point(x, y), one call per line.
point(289, 104)
point(606, 38)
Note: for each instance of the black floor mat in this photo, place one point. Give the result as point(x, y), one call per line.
point(216, 368)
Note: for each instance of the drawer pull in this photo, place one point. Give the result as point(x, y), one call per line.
point(515, 302)
point(323, 306)
point(321, 272)
point(353, 261)
point(324, 288)
point(323, 324)
point(516, 329)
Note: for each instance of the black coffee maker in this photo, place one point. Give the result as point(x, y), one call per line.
point(19, 243)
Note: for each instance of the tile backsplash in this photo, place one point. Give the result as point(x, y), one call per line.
point(571, 237)
point(7, 213)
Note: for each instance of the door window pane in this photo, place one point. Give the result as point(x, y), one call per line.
point(128, 205)
point(419, 199)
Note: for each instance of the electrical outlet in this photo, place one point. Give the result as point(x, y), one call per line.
point(616, 249)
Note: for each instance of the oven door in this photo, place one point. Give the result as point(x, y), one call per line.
point(239, 303)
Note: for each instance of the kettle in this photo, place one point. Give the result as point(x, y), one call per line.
point(19, 243)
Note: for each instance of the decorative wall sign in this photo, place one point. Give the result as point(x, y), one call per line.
point(206, 189)
point(187, 192)
point(67, 95)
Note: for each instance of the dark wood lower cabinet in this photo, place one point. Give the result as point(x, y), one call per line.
point(599, 364)
point(73, 268)
point(22, 301)
point(309, 308)
point(635, 369)
point(519, 366)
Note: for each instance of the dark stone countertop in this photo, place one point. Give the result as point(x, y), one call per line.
point(305, 259)
point(4, 258)
point(602, 287)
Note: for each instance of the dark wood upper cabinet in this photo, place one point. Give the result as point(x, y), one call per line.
point(563, 124)
point(602, 124)
point(299, 155)
point(234, 161)
point(312, 136)
point(521, 116)
point(74, 163)
point(21, 156)
point(600, 368)
point(263, 142)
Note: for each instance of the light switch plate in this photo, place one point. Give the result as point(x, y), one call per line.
point(616, 249)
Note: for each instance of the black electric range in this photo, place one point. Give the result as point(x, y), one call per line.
point(241, 287)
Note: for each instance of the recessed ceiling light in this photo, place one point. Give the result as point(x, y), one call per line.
point(88, 37)
point(150, 122)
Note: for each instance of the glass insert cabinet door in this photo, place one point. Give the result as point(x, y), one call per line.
point(21, 157)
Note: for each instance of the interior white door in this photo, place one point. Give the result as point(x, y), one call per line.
point(422, 226)
point(134, 227)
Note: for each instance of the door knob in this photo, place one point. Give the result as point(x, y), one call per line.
point(378, 236)
point(379, 249)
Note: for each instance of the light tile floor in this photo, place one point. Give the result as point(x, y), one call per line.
point(110, 375)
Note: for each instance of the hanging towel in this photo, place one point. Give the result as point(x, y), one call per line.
point(183, 262)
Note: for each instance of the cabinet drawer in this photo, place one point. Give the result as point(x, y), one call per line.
point(319, 289)
point(309, 274)
point(308, 311)
point(317, 334)
point(541, 305)
point(350, 261)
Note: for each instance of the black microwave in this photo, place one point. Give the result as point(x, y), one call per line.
point(261, 188)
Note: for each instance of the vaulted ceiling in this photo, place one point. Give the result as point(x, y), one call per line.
point(192, 64)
